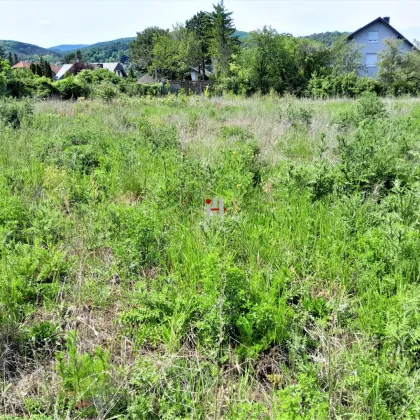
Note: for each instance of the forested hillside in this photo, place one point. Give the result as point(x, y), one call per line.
point(109, 51)
point(68, 47)
point(327, 38)
point(28, 51)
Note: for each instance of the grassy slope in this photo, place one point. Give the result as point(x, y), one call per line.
point(301, 303)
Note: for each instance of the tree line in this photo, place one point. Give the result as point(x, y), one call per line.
point(205, 42)
point(270, 61)
point(265, 61)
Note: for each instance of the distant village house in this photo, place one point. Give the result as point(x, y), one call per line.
point(116, 68)
point(371, 37)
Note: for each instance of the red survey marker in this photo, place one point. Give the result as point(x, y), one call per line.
point(217, 207)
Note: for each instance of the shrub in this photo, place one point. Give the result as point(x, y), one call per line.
point(13, 112)
point(86, 380)
point(71, 88)
point(344, 85)
point(369, 107)
point(45, 88)
point(107, 92)
point(296, 114)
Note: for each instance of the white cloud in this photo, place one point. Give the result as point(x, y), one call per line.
point(45, 22)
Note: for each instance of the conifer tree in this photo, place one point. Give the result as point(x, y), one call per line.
point(10, 59)
point(16, 59)
point(48, 71)
point(79, 56)
point(2, 53)
point(224, 42)
point(201, 26)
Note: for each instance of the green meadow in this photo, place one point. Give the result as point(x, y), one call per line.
point(121, 299)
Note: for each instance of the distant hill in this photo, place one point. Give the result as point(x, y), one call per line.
point(29, 52)
point(327, 38)
point(241, 35)
point(109, 51)
point(68, 47)
point(115, 41)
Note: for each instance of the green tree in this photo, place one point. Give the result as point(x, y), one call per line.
point(16, 59)
point(260, 58)
point(4, 70)
point(390, 61)
point(174, 53)
point(224, 43)
point(47, 72)
point(79, 56)
point(69, 58)
point(279, 62)
point(10, 59)
point(2, 53)
point(399, 70)
point(141, 49)
point(201, 26)
point(346, 57)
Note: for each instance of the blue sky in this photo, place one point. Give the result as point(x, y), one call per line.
point(53, 22)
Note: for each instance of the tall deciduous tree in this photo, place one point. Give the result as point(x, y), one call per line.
point(173, 53)
point(69, 58)
point(399, 70)
point(224, 43)
point(201, 26)
point(346, 56)
point(141, 49)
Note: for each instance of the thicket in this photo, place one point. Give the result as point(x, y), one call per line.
point(87, 83)
point(119, 297)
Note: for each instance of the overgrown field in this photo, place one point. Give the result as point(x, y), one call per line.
point(119, 298)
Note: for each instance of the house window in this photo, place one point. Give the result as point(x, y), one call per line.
point(371, 60)
point(373, 37)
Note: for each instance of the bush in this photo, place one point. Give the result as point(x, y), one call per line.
point(71, 88)
point(44, 87)
point(13, 112)
point(86, 380)
point(107, 92)
point(296, 114)
point(344, 85)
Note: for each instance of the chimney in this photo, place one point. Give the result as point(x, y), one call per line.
point(387, 19)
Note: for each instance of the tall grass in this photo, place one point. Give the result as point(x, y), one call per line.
point(119, 297)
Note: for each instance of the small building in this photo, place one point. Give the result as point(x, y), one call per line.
point(64, 69)
point(371, 37)
point(195, 75)
point(116, 68)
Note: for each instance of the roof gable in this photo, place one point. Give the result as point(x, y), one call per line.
point(383, 21)
point(64, 70)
